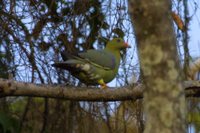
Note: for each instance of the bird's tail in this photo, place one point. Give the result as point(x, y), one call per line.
point(62, 65)
point(71, 64)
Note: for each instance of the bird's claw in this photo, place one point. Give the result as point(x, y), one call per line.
point(104, 86)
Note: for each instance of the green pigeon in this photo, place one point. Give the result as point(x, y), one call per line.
point(94, 67)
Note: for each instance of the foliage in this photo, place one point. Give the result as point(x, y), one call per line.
point(8, 123)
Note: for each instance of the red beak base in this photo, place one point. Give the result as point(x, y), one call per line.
point(127, 45)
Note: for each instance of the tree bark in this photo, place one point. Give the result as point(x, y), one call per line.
point(164, 101)
point(14, 88)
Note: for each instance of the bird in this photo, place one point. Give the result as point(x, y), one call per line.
point(94, 67)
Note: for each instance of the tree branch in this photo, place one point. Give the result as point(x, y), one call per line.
point(14, 88)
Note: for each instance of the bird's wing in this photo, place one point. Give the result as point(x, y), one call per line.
point(100, 58)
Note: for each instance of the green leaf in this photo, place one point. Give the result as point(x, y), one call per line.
point(8, 124)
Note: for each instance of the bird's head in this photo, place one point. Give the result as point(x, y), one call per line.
point(117, 44)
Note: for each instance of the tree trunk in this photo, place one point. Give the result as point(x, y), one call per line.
point(164, 100)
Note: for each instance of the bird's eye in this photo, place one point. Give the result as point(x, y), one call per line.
point(118, 40)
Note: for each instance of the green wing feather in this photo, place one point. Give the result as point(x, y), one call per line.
point(99, 58)
point(94, 65)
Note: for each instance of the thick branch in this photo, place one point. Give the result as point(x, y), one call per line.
point(14, 88)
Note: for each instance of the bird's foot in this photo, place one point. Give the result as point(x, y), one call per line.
point(104, 86)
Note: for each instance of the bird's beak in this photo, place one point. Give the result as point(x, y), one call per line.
point(127, 45)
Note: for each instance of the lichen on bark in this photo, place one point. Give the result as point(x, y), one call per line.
point(164, 102)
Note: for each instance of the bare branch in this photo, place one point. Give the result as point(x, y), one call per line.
point(14, 88)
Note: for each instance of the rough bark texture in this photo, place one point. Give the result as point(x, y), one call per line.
point(14, 88)
point(164, 101)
